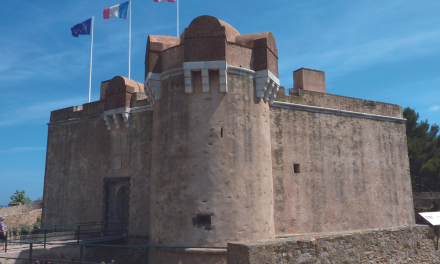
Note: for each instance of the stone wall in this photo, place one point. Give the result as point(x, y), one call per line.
point(23, 219)
point(21, 215)
point(405, 244)
point(352, 172)
point(211, 161)
point(24, 208)
point(82, 154)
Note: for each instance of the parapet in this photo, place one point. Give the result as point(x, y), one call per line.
point(77, 112)
point(324, 102)
point(118, 97)
point(208, 49)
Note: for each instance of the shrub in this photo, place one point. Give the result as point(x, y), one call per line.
point(424, 209)
point(20, 197)
point(38, 222)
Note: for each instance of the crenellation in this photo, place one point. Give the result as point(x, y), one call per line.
point(93, 108)
point(223, 81)
point(188, 82)
point(312, 98)
point(205, 67)
point(205, 80)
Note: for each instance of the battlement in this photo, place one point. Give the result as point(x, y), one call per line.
point(337, 102)
point(205, 52)
point(93, 109)
point(77, 112)
point(118, 96)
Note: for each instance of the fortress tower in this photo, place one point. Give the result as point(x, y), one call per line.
point(210, 151)
point(211, 169)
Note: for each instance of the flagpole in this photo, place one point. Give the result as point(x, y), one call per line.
point(177, 2)
point(129, 42)
point(91, 54)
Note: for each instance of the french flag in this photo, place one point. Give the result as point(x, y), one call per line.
point(172, 1)
point(116, 11)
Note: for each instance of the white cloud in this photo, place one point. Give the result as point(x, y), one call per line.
point(434, 108)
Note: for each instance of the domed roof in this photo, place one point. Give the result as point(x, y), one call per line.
point(121, 84)
point(230, 31)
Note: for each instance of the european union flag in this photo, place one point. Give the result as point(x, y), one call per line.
point(82, 28)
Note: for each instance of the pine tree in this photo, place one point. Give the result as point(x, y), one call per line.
point(423, 152)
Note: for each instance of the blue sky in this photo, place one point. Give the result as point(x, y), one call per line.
point(386, 51)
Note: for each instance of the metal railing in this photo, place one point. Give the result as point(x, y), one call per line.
point(91, 231)
point(83, 246)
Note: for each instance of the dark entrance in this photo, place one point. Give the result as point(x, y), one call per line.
point(116, 205)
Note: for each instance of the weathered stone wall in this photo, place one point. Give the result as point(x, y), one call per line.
point(406, 244)
point(172, 57)
point(239, 56)
point(353, 172)
point(187, 256)
point(81, 153)
point(22, 219)
point(21, 215)
point(211, 157)
point(19, 209)
point(333, 101)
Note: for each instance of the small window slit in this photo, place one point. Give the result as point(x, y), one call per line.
point(296, 168)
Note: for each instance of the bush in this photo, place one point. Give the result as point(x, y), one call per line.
point(20, 197)
point(424, 209)
point(15, 231)
point(38, 222)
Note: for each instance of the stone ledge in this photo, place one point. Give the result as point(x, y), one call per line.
point(211, 251)
point(407, 244)
point(323, 110)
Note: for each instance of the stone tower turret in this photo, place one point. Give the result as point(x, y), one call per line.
point(212, 171)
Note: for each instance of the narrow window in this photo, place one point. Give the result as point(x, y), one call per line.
point(203, 220)
point(211, 32)
point(296, 168)
point(221, 132)
point(197, 32)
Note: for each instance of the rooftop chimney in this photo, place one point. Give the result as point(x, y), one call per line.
point(310, 80)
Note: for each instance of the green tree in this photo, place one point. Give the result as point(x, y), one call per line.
point(20, 197)
point(423, 152)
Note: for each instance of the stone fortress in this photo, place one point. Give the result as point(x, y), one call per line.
point(210, 150)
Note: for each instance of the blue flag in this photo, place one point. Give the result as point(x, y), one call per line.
point(82, 28)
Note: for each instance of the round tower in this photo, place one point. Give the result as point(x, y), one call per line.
point(212, 166)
